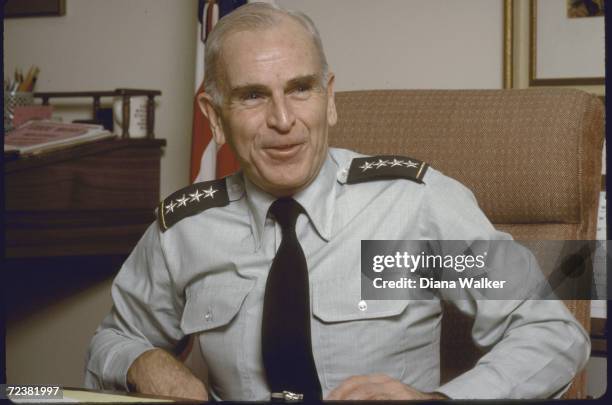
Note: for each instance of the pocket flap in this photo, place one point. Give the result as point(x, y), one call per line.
point(214, 305)
point(336, 301)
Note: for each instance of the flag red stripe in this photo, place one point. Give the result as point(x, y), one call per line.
point(226, 162)
point(209, 16)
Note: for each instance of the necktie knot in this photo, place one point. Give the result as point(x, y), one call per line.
point(286, 211)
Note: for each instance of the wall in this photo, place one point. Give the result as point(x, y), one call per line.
point(410, 44)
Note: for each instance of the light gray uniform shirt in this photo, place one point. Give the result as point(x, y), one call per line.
point(206, 275)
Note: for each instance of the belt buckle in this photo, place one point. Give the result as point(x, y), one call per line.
point(287, 396)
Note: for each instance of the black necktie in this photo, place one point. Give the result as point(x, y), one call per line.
point(286, 344)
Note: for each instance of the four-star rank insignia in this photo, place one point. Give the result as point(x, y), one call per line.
point(385, 167)
point(191, 200)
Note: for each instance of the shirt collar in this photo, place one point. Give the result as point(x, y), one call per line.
point(317, 200)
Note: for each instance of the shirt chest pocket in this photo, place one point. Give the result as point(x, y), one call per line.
point(213, 312)
point(210, 305)
point(356, 337)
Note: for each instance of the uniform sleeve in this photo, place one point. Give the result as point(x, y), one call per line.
point(145, 315)
point(536, 346)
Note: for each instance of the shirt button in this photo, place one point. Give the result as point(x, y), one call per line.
point(362, 305)
point(208, 316)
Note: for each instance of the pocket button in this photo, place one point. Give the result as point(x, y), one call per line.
point(362, 305)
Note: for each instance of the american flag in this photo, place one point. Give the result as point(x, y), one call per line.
point(207, 161)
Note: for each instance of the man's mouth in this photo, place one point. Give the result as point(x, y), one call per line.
point(284, 152)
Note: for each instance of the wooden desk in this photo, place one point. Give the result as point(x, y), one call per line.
point(91, 199)
point(599, 337)
point(73, 216)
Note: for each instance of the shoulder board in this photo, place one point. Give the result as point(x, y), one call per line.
point(384, 167)
point(191, 200)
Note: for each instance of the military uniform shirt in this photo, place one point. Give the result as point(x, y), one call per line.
point(206, 275)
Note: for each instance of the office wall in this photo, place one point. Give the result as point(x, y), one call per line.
point(105, 44)
point(410, 44)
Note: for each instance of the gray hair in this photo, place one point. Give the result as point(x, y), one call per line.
point(252, 17)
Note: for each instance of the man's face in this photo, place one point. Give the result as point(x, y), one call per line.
point(276, 110)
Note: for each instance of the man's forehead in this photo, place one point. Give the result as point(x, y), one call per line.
point(287, 49)
point(286, 32)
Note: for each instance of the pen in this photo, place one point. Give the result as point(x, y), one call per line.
point(26, 85)
point(33, 83)
point(25, 82)
point(34, 78)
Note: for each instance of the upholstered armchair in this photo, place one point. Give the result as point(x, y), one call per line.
point(531, 157)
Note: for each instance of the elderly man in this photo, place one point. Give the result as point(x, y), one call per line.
point(263, 266)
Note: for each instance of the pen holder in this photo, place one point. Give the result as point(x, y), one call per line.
point(12, 100)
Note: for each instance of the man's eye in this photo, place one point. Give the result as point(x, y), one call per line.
point(251, 96)
point(302, 91)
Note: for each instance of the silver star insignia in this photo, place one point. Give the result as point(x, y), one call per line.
point(196, 196)
point(410, 163)
point(381, 163)
point(210, 192)
point(366, 166)
point(396, 162)
point(170, 207)
point(182, 201)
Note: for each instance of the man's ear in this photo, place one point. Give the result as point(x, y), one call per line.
point(332, 114)
point(214, 117)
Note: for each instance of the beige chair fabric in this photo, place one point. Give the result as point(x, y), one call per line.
point(531, 157)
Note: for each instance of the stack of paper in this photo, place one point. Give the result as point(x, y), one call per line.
point(45, 135)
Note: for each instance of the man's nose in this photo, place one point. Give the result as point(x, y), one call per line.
point(280, 114)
